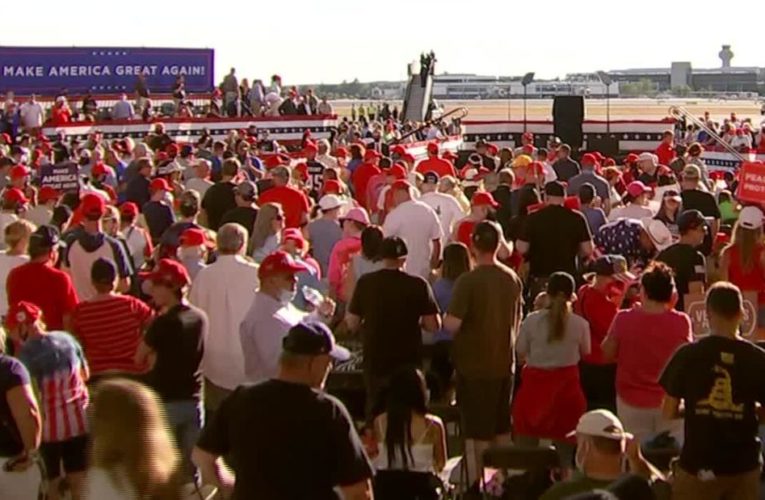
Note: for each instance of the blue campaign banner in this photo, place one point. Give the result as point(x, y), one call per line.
point(102, 70)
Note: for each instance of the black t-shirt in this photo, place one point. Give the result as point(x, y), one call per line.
point(704, 202)
point(315, 172)
point(177, 338)
point(245, 216)
point(503, 195)
point(218, 200)
point(689, 265)
point(554, 234)
point(720, 379)
point(566, 169)
point(286, 441)
point(12, 374)
point(390, 303)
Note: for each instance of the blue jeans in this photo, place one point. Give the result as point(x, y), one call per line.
point(186, 419)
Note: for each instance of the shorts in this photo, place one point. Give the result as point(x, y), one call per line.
point(73, 453)
point(484, 407)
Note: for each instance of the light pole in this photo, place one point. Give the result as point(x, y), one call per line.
point(527, 78)
point(605, 78)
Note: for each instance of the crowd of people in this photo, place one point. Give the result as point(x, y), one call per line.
point(173, 321)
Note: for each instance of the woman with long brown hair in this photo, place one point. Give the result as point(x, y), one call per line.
point(550, 344)
point(266, 235)
point(743, 261)
point(132, 451)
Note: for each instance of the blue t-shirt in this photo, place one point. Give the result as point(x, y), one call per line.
point(159, 217)
point(596, 218)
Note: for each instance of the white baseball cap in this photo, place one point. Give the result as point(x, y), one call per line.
point(600, 423)
point(750, 218)
point(660, 235)
point(648, 157)
point(330, 202)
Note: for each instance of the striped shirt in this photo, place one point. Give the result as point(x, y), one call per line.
point(56, 362)
point(110, 330)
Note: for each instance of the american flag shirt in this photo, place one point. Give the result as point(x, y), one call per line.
point(56, 362)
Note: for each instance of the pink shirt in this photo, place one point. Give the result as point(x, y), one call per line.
point(338, 264)
point(645, 342)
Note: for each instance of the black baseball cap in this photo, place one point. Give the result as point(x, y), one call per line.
point(393, 247)
point(555, 188)
point(431, 178)
point(690, 219)
point(45, 236)
point(312, 338)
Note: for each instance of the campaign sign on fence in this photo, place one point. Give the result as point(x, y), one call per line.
point(695, 307)
point(50, 70)
point(751, 187)
point(62, 176)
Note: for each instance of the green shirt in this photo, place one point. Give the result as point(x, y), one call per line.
point(577, 484)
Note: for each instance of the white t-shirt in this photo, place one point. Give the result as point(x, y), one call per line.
point(8, 262)
point(418, 225)
point(199, 185)
point(39, 215)
point(447, 209)
point(80, 263)
point(136, 239)
point(631, 211)
point(225, 291)
point(31, 114)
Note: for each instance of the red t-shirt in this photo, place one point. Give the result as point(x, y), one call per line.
point(294, 203)
point(465, 232)
point(360, 180)
point(748, 280)
point(48, 288)
point(666, 153)
point(438, 165)
point(645, 343)
point(110, 331)
point(595, 306)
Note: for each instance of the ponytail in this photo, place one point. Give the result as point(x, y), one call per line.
point(557, 317)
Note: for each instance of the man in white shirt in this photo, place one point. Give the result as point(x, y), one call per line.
point(47, 198)
point(446, 206)
point(225, 290)
point(32, 114)
point(123, 109)
point(200, 181)
point(418, 225)
point(323, 156)
point(271, 315)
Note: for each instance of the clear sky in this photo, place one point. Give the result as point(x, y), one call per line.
point(310, 41)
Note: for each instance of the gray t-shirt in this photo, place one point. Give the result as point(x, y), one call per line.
point(533, 344)
point(324, 234)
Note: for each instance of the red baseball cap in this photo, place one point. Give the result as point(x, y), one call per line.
point(169, 272)
point(433, 147)
point(173, 149)
point(398, 149)
point(129, 209)
point(294, 234)
point(15, 195)
point(528, 149)
point(279, 263)
point(397, 171)
point(636, 188)
point(276, 160)
point(492, 149)
point(408, 158)
point(371, 154)
point(528, 135)
point(482, 199)
point(331, 186)
point(22, 313)
point(6, 138)
point(92, 204)
point(631, 158)
point(195, 237)
point(609, 162)
point(159, 184)
point(341, 153)
point(98, 169)
point(401, 184)
point(310, 147)
point(47, 193)
point(599, 155)
point(590, 158)
point(19, 171)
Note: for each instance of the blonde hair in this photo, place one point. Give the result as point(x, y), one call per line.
point(131, 439)
point(560, 308)
point(263, 227)
point(746, 240)
point(17, 231)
